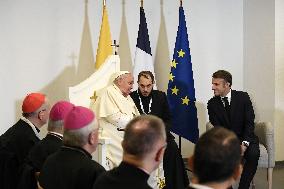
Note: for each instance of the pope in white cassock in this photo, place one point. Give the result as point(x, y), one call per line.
point(115, 108)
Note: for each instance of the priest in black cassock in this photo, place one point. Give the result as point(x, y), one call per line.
point(149, 101)
point(47, 146)
point(17, 141)
point(143, 144)
point(72, 167)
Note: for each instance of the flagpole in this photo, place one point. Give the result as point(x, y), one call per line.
point(180, 3)
point(104, 2)
point(141, 3)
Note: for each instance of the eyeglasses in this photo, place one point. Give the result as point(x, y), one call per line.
point(43, 110)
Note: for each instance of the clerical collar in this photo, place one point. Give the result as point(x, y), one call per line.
point(199, 186)
point(58, 135)
point(34, 128)
point(146, 99)
point(78, 149)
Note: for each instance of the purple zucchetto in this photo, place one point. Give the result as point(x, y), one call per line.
point(59, 110)
point(78, 118)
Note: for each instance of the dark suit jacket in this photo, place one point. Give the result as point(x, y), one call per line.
point(241, 119)
point(160, 106)
point(16, 142)
point(69, 168)
point(174, 169)
point(47, 146)
point(125, 176)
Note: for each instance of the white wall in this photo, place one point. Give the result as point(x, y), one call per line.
point(38, 37)
point(259, 49)
point(279, 78)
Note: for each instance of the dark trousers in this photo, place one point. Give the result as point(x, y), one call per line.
point(251, 157)
point(174, 168)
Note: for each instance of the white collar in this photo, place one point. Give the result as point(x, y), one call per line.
point(52, 132)
point(229, 95)
point(32, 126)
point(199, 186)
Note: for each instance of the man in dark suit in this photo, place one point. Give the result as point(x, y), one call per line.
point(216, 162)
point(233, 110)
point(149, 101)
point(143, 146)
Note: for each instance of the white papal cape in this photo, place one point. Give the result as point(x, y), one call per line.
point(111, 107)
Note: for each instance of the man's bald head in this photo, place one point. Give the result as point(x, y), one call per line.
point(142, 134)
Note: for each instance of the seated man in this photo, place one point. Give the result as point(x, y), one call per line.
point(115, 108)
point(216, 162)
point(143, 146)
point(17, 141)
point(233, 110)
point(72, 166)
point(150, 101)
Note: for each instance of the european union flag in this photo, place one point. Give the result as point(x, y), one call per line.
point(181, 92)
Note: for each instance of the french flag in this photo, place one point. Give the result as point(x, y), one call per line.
point(143, 57)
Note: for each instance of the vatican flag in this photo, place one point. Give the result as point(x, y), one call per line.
point(104, 47)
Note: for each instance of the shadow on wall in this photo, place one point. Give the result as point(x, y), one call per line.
point(124, 49)
point(58, 88)
point(162, 58)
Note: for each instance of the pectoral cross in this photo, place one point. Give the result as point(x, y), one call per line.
point(115, 46)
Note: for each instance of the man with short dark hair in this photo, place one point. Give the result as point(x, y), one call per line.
point(143, 146)
point(233, 110)
point(72, 167)
point(216, 162)
point(17, 141)
point(154, 102)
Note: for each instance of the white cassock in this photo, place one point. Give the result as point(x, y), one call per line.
point(114, 111)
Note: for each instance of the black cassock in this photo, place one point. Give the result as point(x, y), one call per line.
point(125, 176)
point(69, 168)
point(47, 146)
point(35, 159)
point(174, 168)
point(15, 145)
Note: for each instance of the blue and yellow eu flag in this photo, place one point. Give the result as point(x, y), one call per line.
point(181, 92)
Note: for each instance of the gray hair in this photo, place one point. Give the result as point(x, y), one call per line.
point(55, 125)
point(79, 137)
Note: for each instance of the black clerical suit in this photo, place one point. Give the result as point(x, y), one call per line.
point(35, 159)
point(239, 119)
point(47, 146)
point(174, 169)
point(125, 176)
point(69, 168)
point(16, 143)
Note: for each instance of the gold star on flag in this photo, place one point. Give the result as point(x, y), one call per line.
point(174, 63)
point(181, 53)
point(172, 77)
point(185, 100)
point(175, 90)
